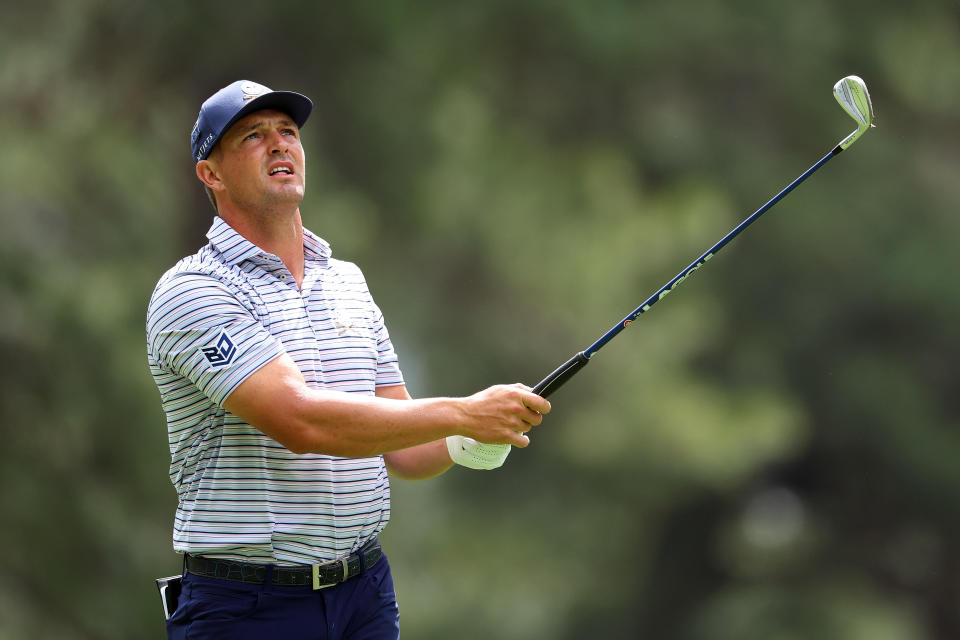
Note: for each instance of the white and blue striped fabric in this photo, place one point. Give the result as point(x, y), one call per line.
point(214, 319)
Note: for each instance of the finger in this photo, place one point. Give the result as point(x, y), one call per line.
point(511, 435)
point(535, 403)
point(532, 418)
point(520, 440)
point(521, 423)
point(531, 400)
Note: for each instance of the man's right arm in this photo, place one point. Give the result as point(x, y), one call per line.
point(276, 400)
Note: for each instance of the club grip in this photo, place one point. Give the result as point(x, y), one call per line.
point(560, 375)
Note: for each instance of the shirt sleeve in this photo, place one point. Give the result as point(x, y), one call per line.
point(197, 327)
point(388, 364)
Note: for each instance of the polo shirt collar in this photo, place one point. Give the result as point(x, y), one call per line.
point(235, 248)
point(315, 247)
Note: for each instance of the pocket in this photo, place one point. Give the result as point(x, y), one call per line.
point(213, 608)
point(382, 579)
point(379, 615)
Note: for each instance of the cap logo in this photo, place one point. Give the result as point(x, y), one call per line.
point(203, 147)
point(251, 90)
point(195, 134)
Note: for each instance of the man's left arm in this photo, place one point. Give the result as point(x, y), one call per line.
point(421, 462)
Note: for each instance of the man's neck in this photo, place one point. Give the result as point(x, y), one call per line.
point(279, 234)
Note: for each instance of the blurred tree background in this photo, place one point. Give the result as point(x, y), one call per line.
point(768, 455)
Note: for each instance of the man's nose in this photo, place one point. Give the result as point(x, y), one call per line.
point(278, 143)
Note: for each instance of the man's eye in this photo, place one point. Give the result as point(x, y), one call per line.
point(252, 136)
point(289, 132)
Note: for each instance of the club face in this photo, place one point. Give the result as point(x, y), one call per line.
point(851, 92)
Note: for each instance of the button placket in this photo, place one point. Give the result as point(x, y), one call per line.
point(312, 279)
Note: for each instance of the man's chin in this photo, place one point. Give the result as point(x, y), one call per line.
point(288, 196)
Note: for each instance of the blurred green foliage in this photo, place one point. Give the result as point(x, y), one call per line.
point(769, 455)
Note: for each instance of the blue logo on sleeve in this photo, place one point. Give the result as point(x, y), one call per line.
point(222, 354)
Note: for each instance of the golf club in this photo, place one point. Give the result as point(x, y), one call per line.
point(851, 93)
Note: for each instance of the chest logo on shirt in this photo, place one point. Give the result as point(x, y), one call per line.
point(222, 354)
point(343, 322)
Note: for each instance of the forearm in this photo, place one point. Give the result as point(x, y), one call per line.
point(419, 463)
point(276, 400)
point(356, 426)
point(414, 463)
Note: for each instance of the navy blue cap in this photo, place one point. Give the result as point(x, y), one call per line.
point(236, 100)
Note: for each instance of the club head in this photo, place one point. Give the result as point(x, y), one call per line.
point(851, 92)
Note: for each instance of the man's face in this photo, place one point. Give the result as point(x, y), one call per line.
point(261, 162)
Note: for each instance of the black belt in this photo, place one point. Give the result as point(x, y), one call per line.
point(318, 576)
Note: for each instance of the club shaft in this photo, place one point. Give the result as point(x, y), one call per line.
point(568, 369)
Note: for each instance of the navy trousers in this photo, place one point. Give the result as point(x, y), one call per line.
point(362, 608)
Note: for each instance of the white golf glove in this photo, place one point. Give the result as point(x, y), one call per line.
point(467, 452)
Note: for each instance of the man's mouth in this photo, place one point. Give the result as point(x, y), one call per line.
point(281, 170)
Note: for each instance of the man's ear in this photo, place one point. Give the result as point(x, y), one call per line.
point(209, 175)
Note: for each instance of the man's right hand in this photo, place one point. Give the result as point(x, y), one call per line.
point(503, 414)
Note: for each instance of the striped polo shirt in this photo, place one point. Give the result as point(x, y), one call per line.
point(214, 319)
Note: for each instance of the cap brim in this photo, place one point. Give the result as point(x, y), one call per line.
point(296, 105)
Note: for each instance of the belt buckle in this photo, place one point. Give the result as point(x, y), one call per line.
point(315, 573)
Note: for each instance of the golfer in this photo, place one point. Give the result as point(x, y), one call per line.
point(285, 403)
